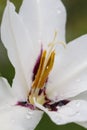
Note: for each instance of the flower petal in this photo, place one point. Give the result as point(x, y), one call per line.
point(43, 18)
point(5, 91)
point(18, 118)
point(75, 111)
point(29, 13)
point(69, 76)
point(84, 124)
point(15, 37)
point(81, 96)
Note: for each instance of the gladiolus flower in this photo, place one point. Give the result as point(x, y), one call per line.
point(50, 76)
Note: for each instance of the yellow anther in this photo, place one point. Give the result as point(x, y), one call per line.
point(44, 69)
point(37, 77)
point(47, 70)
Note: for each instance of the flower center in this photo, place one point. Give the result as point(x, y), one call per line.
point(45, 66)
point(46, 62)
point(41, 71)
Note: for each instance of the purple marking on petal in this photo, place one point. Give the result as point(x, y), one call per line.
point(60, 103)
point(53, 107)
point(26, 104)
point(35, 69)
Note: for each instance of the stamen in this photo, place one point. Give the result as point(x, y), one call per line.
point(45, 66)
point(63, 43)
point(47, 70)
point(35, 83)
point(43, 70)
point(52, 44)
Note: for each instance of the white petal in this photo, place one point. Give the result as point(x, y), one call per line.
point(5, 91)
point(21, 52)
point(29, 13)
point(84, 124)
point(81, 96)
point(75, 111)
point(69, 76)
point(19, 118)
point(43, 18)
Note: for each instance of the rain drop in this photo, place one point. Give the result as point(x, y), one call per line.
point(78, 113)
point(58, 11)
point(78, 104)
point(47, 67)
point(30, 113)
point(28, 116)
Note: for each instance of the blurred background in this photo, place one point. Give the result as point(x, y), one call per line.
point(76, 26)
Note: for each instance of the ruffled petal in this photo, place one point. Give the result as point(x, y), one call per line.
point(69, 75)
point(43, 18)
point(18, 118)
point(16, 39)
point(74, 111)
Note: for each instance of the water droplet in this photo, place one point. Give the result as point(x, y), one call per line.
point(47, 67)
point(38, 1)
point(78, 113)
point(58, 11)
point(77, 104)
point(28, 116)
point(30, 112)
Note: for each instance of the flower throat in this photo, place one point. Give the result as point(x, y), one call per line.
point(42, 70)
point(41, 77)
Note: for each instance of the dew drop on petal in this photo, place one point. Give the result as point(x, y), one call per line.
point(47, 67)
point(77, 104)
point(29, 114)
point(78, 113)
point(58, 11)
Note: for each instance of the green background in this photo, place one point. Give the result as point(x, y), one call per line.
point(76, 26)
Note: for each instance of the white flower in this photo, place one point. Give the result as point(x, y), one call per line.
point(48, 77)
